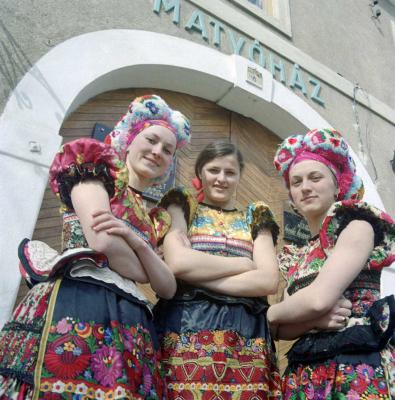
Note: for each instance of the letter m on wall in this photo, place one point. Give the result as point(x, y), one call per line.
point(169, 5)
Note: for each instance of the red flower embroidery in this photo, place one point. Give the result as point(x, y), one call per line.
point(230, 338)
point(335, 142)
point(359, 385)
point(381, 386)
point(67, 357)
point(284, 155)
point(319, 375)
point(205, 337)
point(98, 331)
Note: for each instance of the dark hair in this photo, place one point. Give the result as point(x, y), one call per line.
point(218, 148)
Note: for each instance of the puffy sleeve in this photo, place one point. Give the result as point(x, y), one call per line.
point(180, 196)
point(260, 217)
point(342, 213)
point(86, 159)
point(161, 220)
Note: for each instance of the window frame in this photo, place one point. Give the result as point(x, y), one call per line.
point(274, 12)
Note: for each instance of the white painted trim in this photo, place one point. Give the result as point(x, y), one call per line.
point(147, 60)
point(264, 35)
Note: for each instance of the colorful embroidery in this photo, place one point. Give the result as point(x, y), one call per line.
point(98, 361)
point(222, 245)
point(72, 232)
point(20, 338)
point(228, 233)
point(215, 363)
point(388, 355)
point(11, 389)
point(233, 224)
point(336, 381)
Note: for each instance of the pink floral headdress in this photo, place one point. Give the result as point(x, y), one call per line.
point(144, 112)
point(328, 147)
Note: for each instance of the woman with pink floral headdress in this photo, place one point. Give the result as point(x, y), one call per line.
point(342, 353)
point(84, 329)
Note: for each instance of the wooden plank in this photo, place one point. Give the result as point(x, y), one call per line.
point(48, 222)
point(49, 213)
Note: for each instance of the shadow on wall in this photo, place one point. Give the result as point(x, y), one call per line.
point(14, 65)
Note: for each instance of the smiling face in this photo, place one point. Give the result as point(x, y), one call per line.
point(220, 178)
point(313, 189)
point(150, 155)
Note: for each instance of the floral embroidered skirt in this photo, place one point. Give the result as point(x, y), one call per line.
point(348, 377)
point(75, 339)
point(216, 350)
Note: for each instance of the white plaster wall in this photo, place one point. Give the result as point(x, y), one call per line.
point(147, 60)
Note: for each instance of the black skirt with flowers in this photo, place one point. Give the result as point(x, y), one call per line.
point(79, 338)
point(216, 346)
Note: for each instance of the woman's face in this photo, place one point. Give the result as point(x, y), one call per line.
point(150, 154)
point(219, 180)
point(313, 189)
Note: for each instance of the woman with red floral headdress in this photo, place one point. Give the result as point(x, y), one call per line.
point(341, 354)
point(85, 330)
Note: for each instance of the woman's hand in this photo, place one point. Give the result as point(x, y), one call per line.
point(337, 317)
point(160, 277)
point(104, 220)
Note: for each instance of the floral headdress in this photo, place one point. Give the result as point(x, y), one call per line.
point(328, 147)
point(144, 112)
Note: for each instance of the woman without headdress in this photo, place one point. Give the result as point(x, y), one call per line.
point(214, 335)
point(351, 241)
point(85, 330)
